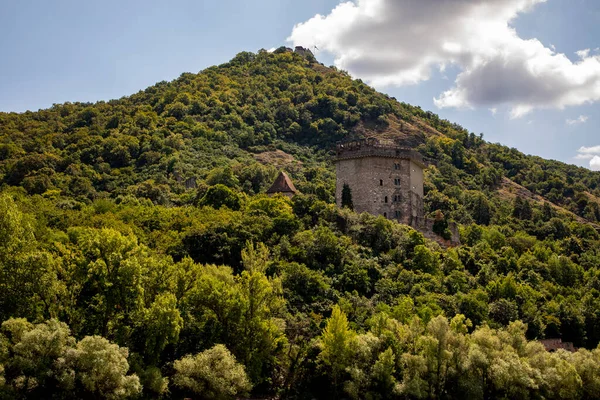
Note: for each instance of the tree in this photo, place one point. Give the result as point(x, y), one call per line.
point(35, 363)
point(480, 208)
point(213, 374)
point(336, 339)
point(162, 325)
point(440, 226)
point(28, 286)
point(110, 267)
point(261, 338)
point(347, 197)
point(44, 361)
point(220, 196)
point(101, 370)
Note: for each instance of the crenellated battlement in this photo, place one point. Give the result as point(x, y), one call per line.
point(375, 148)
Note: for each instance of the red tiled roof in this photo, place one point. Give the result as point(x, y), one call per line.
point(283, 184)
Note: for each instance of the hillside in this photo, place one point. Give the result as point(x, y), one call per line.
point(142, 223)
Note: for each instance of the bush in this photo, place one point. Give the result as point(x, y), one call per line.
point(214, 373)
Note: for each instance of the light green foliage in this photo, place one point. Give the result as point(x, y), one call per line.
point(213, 374)
point(337, 344)
point(113, 272)
point(262, 337)
point(45, 361)
point(15, 228)
point(162, 324)
point(36, 357)
point(28, 283)
point(101, 369)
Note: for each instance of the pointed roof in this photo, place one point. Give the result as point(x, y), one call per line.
point(283, 184)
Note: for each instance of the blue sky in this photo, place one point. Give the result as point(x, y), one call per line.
point(57, 51)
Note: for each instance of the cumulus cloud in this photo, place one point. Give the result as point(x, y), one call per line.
point(595, 163)
point(391, 42)
point(582, 119)
point(592, 154)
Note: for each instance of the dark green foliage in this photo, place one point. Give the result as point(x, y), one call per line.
point(220, 196)
point(347, 197)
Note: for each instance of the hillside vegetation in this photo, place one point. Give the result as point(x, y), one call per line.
point(140, 258)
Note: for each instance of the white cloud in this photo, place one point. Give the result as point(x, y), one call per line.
point(595, 163)
point(391, 42)
point(589, 150)
point(493, 110)
point(591, 153)
point(583, 54)
point(582, 119)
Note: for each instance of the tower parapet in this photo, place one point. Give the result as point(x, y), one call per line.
point(375, 148)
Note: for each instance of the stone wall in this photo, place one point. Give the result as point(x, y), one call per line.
point(425, 226)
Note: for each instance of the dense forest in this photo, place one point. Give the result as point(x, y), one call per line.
point(140, 257)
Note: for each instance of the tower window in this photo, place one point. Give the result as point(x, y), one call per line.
point(396, 181)
point(396, 166)
point(385, 215)
point(397, 214)
point(385, 199)
point(381, 182)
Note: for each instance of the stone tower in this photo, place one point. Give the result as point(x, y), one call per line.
point(384, 179)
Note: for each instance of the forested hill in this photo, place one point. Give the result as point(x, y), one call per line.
point(137, 231)
point(258, 111)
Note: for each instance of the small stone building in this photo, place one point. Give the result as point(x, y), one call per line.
point(384, 179)
point(283, 184)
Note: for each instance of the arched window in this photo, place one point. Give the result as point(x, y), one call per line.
point(385, 200)
point(381, 182)
point(385, 215)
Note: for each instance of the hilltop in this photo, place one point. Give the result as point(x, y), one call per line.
point(142, 223)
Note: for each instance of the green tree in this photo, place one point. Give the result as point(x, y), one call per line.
point(28, 282)
point(220, 196)
point(109, 270)
point(347, 197)
point(213, 374)
point(261, 337)
point(337, 341)
point(162, 324)
point(101, 370)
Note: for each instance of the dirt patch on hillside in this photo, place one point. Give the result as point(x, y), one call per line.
point(406, 133)
point(277, 158)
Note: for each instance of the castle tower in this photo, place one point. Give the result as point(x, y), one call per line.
point(384, 179)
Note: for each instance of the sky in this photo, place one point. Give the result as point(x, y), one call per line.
point(525, 73)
